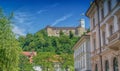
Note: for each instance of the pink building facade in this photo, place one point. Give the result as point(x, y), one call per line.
point(105, 35)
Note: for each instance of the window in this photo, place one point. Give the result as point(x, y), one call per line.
point(111, 29)
point(106, 65)
point(83, 62)
point(103, 36)
point(119, 23)
point(109, 5)
point(93, 22)
point(94, 42)
point(115, 64)
point(83, 48)
point(96, 67)
point(102, 13)
point(118, 0)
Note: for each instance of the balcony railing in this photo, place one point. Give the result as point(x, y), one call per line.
point(114, 41)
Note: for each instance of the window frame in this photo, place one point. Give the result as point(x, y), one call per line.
point(106, 65)
point(111, 29)
point(109, 5)
point(103, 37)
point(96, 67)
point(102, 13)
point(115, 60)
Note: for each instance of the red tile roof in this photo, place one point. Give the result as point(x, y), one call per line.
point(29, 53)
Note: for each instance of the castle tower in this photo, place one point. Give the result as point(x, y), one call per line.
point(81, 28)
point(82, 23)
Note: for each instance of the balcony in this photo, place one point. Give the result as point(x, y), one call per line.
point(114, 41)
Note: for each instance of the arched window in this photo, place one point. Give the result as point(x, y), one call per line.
point(106, 65)
point(115, 64)
point(96, 67)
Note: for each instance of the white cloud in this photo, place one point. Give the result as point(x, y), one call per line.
point(23, 20)
point(41, 11)
point(48, 8)
point(18, 31)
point(61, 19)
point(21, 17)
point(54, 5)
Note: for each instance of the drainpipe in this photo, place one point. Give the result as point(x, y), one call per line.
point(97, 5)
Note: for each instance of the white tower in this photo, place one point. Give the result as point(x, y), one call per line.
point(82, 23)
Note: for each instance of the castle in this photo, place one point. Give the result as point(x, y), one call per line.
point(77, 31)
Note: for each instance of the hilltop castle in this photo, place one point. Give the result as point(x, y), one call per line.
point(77, 31)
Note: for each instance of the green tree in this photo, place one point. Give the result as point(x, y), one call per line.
point(61, 33)
point(24, 64)
point(44, 59)
point(71, 35)
point(22, 40)
point(67, 61)
point(9, 47)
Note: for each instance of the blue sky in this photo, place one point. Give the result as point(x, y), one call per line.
point(31, 16)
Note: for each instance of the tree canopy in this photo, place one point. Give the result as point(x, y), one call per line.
point(9, 47)
point(41, 42)
point(48, 47)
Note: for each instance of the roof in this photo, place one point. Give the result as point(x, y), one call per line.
point(91, 5)
point(87, 36)
point(94, 4)
point(29, 53)
point(61, 27)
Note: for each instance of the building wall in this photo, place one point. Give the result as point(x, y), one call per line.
point(80, 31)
point(82, 56)
point(110, 18)
point(53, 31)
point(49, 31)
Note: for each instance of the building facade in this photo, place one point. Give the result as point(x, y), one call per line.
point(77, 31)
point(82, 54)
point(105, 35)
